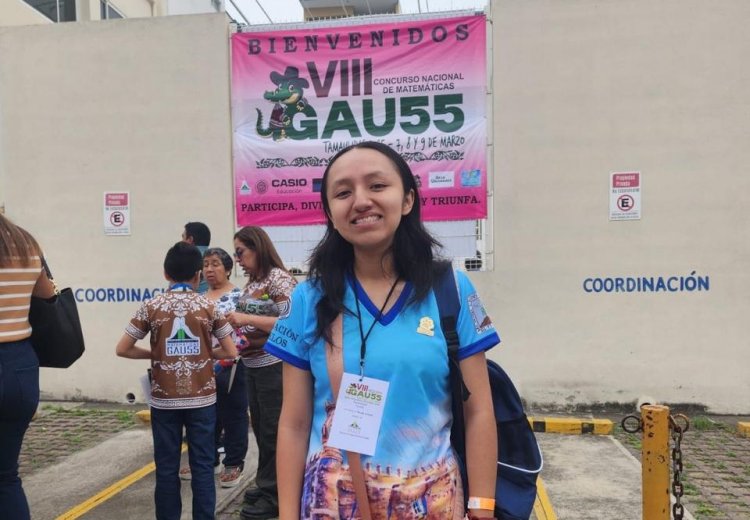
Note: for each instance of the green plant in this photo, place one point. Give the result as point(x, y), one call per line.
point(73, 438)
point(125, 417)
point(703, 423)
point(690, 488)
point(75, 412)
point(632, 440)
point(705, 510)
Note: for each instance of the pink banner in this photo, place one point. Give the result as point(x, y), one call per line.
point(300, 96)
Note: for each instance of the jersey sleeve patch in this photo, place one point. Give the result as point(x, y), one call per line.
point(482, 321)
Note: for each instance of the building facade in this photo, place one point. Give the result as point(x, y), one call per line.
point(331, 9)
point(37, 12)
point(591, 310)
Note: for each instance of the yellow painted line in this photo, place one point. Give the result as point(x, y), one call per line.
point(744, 428)
point(104, 495)
point(542, 506)
point(571, 426)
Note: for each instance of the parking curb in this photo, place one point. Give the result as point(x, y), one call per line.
point(571, 426)
point(743, 428)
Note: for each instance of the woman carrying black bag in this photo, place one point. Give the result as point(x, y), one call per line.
point(21, 276)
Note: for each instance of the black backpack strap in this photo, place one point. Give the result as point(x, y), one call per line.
point(449, 305)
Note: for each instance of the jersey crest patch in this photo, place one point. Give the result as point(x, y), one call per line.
point(482, 322)
point(182, 341)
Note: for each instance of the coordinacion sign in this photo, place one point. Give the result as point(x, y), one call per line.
point(300, 96)
point(625, 196)
point(117, 213)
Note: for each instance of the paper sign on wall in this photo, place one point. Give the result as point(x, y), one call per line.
point(625, 196)
point(117, 213)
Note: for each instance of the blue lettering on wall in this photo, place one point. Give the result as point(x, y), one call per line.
point(114, 294)
point(630, 284)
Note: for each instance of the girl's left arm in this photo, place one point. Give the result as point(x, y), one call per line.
point(481, 432)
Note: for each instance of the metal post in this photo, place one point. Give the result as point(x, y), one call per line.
point(655, 462)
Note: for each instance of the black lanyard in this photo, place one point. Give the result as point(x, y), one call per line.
point(362, 335)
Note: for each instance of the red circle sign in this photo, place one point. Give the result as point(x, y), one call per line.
point(117, 218)
point(625, 203)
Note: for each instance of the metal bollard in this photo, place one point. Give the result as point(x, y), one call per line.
point(655, 462)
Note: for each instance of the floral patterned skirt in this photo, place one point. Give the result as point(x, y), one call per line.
point(433, 492)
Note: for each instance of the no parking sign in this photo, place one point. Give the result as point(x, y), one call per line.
point(117, 213)
point(625, 196)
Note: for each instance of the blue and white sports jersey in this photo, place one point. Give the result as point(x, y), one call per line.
point(406, 348)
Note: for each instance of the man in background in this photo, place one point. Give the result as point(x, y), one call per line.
point(198, 234)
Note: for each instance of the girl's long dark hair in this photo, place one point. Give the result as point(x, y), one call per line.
point(333, 257)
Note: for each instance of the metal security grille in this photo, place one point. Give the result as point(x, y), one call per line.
point(463, 242)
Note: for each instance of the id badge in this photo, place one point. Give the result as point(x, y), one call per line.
point(358, 414)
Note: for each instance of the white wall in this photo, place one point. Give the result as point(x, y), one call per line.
point(139, 105)
point(586, 87)
point(581, 88)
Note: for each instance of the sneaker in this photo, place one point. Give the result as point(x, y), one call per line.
point(186, 474)
point(231, 476)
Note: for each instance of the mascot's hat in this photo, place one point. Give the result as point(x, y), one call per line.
point(291, 76)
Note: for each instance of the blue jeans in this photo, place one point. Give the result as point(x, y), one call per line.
point(231, 416)
point(166, 426)
point(19, 397)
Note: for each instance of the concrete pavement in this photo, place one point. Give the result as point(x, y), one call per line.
point(113, 480)
point(585, 476)
point(590, 477)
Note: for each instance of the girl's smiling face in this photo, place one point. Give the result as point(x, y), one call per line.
point(366, 199)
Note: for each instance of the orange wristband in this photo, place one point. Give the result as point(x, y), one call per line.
point(481, 503)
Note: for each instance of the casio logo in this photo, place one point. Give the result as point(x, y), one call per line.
point(288, 183)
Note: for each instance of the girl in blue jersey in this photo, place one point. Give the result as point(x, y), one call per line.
point(369, 304)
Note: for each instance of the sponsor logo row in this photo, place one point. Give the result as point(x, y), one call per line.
point(434, 180)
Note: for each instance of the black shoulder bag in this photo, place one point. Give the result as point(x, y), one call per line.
point(56, 333)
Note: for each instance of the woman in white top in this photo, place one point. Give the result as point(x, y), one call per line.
point(21, 276)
